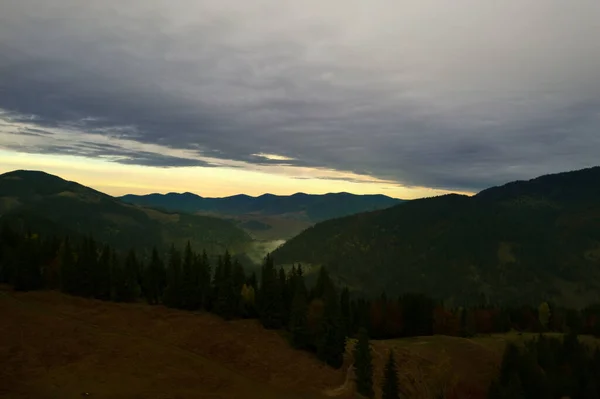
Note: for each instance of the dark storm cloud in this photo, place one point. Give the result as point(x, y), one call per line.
point(112, 153)
point(457, 95)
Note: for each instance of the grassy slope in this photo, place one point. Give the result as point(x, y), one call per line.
point(462, 367)
point(56, 346)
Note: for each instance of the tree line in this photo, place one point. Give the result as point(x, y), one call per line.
point(317, 320)
point(548, 368)
point(181, 279)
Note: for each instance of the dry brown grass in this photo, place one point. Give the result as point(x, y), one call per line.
point(57, 346)
point(461, 368)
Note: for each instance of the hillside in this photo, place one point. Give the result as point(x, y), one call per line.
point(313, 208)
point(47, 203)
point(59, 346)
point(522, 242)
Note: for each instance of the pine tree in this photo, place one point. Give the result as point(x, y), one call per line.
point(239, 277)
point(204, 280)
point(67, 268)
point(172, 295)
point(103, 279)
point(363, 365)
point(298, 315)
point(86, 268)
point(270, 301)
point(226, 305)
point(390, 379)
point(215, 285)
point(252, 281)
point(286, 296)
point(27, 272)
point(346, 311)
point(331, 342)
point(323, 282)
point(125, 278)
point(154, 280)
point(189, 280)
point(132, 267)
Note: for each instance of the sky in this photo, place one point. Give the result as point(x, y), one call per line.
point(404, 98)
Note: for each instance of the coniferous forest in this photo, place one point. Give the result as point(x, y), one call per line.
point(317, 319)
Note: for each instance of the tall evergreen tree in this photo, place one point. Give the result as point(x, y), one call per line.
point(27, 272)
point(125, 280)
point(286, 296)
point(102, 284)
point(189, 280)
point(363, 365)
point(331, 342)
point(227, 303)
point(252, 281)
point(346, 311)
point(239, 278)
point(67, 268)
point(204, 274)
point(270, 301)
point(86, 268)
point(298, 315)
point(172, 295)
point(390, 379)
point(154, 280)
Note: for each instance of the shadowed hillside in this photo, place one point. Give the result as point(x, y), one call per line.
point(30, 199)
point(522, 242)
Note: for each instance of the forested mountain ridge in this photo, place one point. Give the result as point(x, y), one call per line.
point(314, 208)
point(522, 242)
point(37, 200)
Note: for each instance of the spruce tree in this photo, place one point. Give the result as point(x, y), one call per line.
point(239, 278)
point(27, 273)
point(67, 268)
point(172, 295)
point(215, 285)
point(125, 280)
point(298, 315)
point(270, 301)
point(286, 296)
point(331, 342)
point(86, 268)
point(226, 305)
point(189, 280)
point(346, 311)
point(204, 280)
point(252, 281)
point(363, 365)
point(154, 279)
point(103, 279)
point(390, 379)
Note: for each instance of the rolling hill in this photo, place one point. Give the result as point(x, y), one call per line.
point(524, 242)
point(31, 199)
point(312, 208)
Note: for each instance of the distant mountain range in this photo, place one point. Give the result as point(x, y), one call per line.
point(309, 207)
point(525, 241)
point(31, 199)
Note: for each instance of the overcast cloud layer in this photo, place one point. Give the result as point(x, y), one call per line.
point(458, 94)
